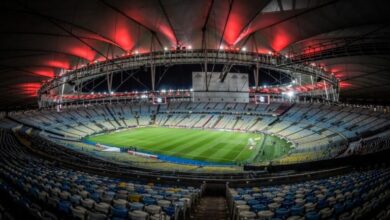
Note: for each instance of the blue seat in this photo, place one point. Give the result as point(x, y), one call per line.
point(338, 208)
point(252, 202)
point(119, 212)
point(282, 213)
point(258, 207)
point(95, 196)
point(34, 191)
point(322, 204)
point(170, 211)
point(348, 205)
point(312, 216)
point(149, 201)
point(287, 204)
point(297, 210)
point(75, 199)
point(236, 197)
point(136, 206)
point(64, 206)
point(311, 199)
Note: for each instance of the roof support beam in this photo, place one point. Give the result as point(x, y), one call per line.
point(280, 5)
point(226, 67)
point(364, 75)
point(22, 56)
point(204, 28)
point(15, 68)
point(246, 26)
point(169, 20)
point(46, 17)
point(370, 87)
point(62, 35)
point(47, 51)
point(60, 26)
point(226, 21)
point(133, 20)
point(295, 16)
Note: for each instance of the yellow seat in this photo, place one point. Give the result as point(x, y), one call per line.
point(122, 185)
point(134, 198)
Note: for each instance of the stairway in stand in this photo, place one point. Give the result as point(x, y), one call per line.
point(212, 206)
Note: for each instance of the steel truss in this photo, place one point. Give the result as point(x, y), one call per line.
point(228, 58)
point(336, 48)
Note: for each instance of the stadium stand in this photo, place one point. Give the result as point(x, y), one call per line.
point(313, 127)
point(350, 196)
point(37, 184)
point(46, 169)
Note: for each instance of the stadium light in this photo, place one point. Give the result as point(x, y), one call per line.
point(191, 90)
point(165, 48)
point(163, 91)
point(136, 52)
point(290, 94)
point(243, 49)
point(294, 81)
point(221, 47)
point(189, 47)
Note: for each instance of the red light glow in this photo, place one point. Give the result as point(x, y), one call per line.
point(233, 28)
point(83, 52)
point(62, 64)
point(123, 35)
point(344, 85)
point(280, 41)
point(45, 72)
point(29, 89)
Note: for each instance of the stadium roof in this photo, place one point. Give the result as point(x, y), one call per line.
point(39, 38)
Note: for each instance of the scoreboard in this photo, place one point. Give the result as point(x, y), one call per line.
point(262, 99)
point(159, 100)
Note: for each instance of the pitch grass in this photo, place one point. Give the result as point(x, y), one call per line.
point(204, 145)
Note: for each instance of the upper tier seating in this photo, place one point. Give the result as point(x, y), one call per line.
point(310, 127)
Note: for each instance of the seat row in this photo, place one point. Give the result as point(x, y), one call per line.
point(86, 196)
point(345, 197)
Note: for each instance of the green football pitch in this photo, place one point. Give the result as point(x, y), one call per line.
point(195, 144)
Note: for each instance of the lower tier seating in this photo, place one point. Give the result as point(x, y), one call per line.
point(30, 180)
point(350, 196)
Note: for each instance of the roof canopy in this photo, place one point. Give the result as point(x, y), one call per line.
point(39, 38)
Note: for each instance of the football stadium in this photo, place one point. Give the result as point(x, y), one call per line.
point(195, 109)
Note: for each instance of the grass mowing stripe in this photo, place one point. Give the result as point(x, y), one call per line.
point(244, 152)
point(176, 142)
point(198, 143)
point(206, 145)
point(218, 146)
point(219, 139)
point(130, 138)
point(152, 141)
